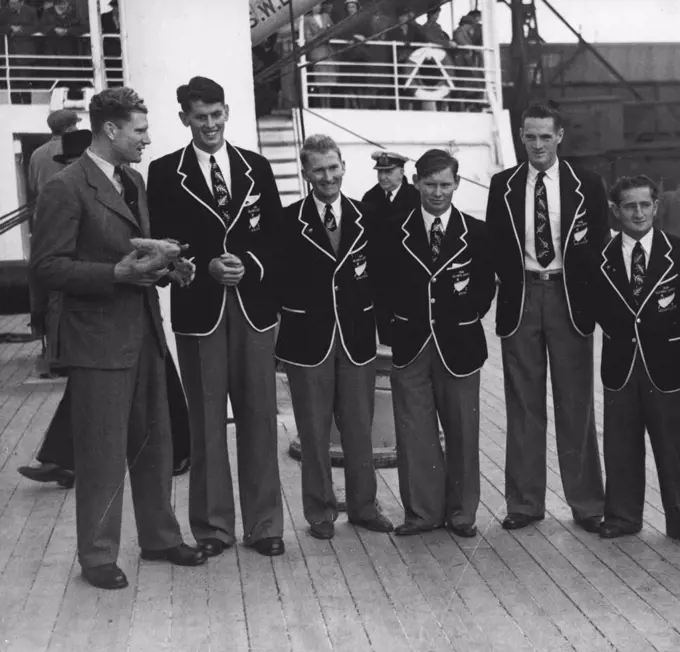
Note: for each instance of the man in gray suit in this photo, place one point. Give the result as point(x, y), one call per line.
point(111, 338)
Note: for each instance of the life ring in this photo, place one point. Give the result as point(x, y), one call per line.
point(417, 58)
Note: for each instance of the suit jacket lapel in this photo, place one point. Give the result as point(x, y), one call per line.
point(350, 225)
point(614, 269)
point(106, 192)
point(659, 263)
point(415, 239)
point(515, 201)
point(312, 228)
point(571, 200)
point(193, 181)
point(454, 239)
point(241, 183)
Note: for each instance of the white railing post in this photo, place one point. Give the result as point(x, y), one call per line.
point(7, 75)
point(395, 66)
point(96, 46)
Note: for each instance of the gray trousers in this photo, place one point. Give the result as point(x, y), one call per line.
point(546, 332)
point(121, 416)
point(335, 387)
point(234, 361)
point(627, 413)
point(435, 488)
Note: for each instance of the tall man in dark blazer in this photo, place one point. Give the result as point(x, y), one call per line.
point(547, 221)
point(327, 339)
point(438, 280)
point(637, 299)
point(111, 338)
point(223, 202)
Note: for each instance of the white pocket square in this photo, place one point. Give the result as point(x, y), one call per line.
point(579, 235)
point(666, 301)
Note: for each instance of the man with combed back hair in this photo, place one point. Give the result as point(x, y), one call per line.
point(111, 338)
point(223, 202)
point(437, 281)
point(327, 339)
point(547, 220)
point(637, 303)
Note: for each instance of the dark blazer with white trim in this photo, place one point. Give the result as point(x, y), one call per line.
point(323, 297)
point(583, 214)
point(182, 207)
point(653, 329)
point(444, 302)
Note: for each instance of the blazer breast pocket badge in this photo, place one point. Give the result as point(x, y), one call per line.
point(252, 206)
point(580, 230)
point(665, 298)
point(461, 281)
point(360, 265)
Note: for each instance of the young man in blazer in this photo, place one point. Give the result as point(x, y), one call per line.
point(437, 277)
point(327, 339)
point(111, 338)
point(637, 299)
point(223, 202)
point(548, 222)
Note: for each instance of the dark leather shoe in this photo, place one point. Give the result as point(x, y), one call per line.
point(107, 576)
point(48, 473)
point(182, 467)
point(518, 521)
point(409, 529)
point(378, 523)
point(466, 530)
point(614, 531)
point(323, 530)
point(213, 547)
point(270, 547)
point(181, 555)
point(589, 523)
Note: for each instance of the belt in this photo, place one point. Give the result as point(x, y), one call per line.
point(552, 275)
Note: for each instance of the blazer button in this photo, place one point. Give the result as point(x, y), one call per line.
point(633, 340)
point(638, 320)
point(432, 321)
point(337, 287)
point(432, 300)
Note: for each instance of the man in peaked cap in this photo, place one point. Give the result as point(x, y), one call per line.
point(392, 195)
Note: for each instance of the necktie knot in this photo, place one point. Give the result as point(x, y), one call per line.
point(540, 176)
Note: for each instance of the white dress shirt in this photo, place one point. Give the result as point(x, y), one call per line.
point(221, 158)
point(107, 168)
point(627, 244)
point(429, 219)
point(336, 206)
point(552, 189)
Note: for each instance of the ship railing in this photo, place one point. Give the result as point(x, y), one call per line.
point(393, 75)
point(28, 77)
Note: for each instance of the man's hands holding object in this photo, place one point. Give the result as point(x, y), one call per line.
point(227, 269)
point(150, 261)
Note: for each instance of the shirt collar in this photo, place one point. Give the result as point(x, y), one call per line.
point(107, 168)
point(551, 173)
point(204, 158)
point(429, 218)
point(321, 206)
point(646, 241)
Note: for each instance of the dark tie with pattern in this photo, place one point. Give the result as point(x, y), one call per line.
point(543, 242)
point(638, 268)
point(130, 192)
point(220, 190)
point(329, 218)
point(436, 237)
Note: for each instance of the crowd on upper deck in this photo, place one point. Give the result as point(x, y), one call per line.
point(368, 56)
